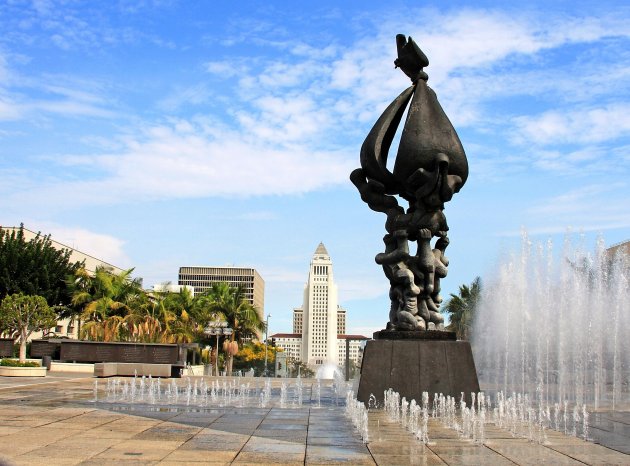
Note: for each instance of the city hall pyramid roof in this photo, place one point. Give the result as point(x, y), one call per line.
point(321, 250)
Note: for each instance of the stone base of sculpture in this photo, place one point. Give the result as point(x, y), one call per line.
point(414, 335)
point(429, 363)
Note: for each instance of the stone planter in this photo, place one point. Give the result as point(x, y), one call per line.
point(7, 371)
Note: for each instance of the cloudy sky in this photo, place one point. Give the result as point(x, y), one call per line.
point(158, 134)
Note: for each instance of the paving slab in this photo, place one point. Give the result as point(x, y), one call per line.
point(260, 458)
point(206, 457)
point(57, 423)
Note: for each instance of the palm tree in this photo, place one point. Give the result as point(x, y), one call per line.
point(202, 309)
point(184, 329)
point(106, 299)
point(461, 308)
point(173, 312)
point(241, 316)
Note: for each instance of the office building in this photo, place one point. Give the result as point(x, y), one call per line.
point(247, 278)
point(298, 318)
point(319, 325)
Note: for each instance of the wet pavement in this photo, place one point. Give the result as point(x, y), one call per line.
point(54, 421)
point(612, 429)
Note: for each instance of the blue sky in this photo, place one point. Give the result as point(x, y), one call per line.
point(161, 134)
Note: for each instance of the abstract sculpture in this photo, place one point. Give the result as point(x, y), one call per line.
point(429, 168)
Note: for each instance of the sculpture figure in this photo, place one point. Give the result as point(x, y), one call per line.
point(429, 168)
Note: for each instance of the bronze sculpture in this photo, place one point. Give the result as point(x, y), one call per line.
point(429, 168)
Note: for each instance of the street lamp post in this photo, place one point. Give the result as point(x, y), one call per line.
point(217, 328)
point(266, 342)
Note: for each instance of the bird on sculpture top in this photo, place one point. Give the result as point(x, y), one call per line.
point(411, 59)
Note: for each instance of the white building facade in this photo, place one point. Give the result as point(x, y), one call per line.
point(171, 288)
point(291, 343)
point(319, 334)
point(319, 325)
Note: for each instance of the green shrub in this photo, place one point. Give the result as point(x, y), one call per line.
point(16, 363)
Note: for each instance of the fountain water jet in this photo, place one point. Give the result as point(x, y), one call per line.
point(557, 328)
point(328, 371)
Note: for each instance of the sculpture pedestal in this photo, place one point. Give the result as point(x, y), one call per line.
point(414, 362)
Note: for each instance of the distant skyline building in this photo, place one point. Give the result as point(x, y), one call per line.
point(319, 325)
point(171, 288)
point(341, 320)
point(248, 279)
point(622, 249)
point(319, 305)
point(298, 318)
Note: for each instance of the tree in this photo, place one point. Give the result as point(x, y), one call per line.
point(21, 315)
point(34, 267)
point(106, 300)
point(184, 328)
point(164, 319)
point(297, 367)
point(241, 316)
point(252, 356)
point(461, 308)
point(116, 308)
point(203, 310)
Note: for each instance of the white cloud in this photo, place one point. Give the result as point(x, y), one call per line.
point(588, 125)
point(578, 200)
point(9, 110)
point(69, 96)
point(4, 69)
point(66, 108)
point(297, 119)
point(473, 39)
point(466, 49)
point(593, 207)
point(191, 95)
point(68, 25)
point(226, 69)
point(180, 161)
point(483, 38)
point(101, 246)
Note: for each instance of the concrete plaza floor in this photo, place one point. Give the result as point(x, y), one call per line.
point(53, 421)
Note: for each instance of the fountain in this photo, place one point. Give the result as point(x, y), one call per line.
point(328, 371)
point(203, 392)
point(518, 414)
point(557, 326)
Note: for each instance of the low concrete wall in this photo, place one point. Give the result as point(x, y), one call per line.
point(194, 370)
point(110, 369)
point(8, 371)
point(105, 369)
point(71, 367)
